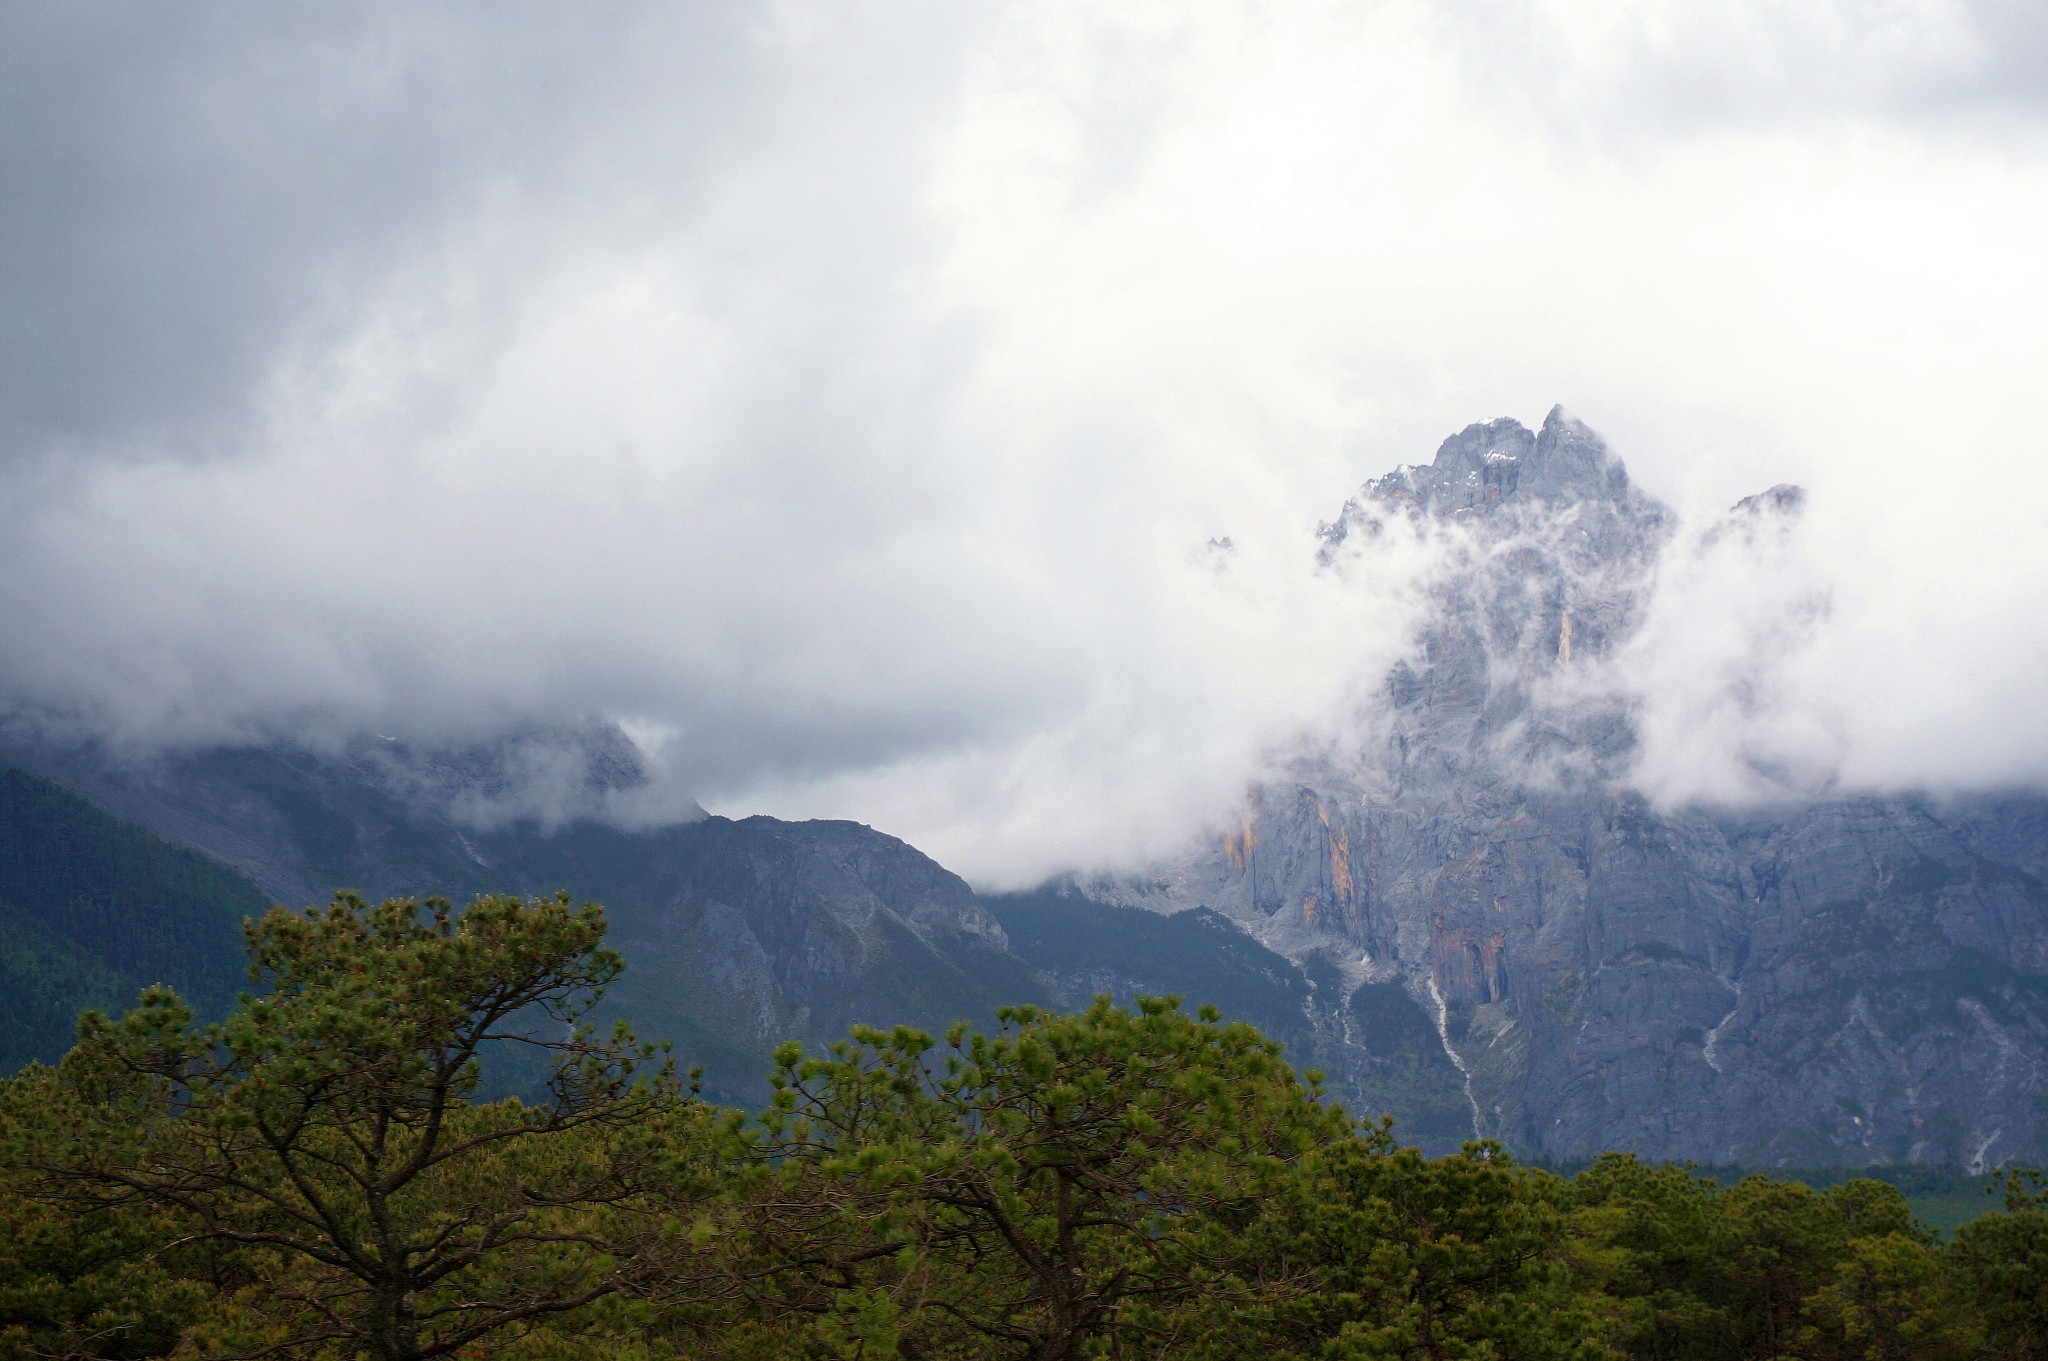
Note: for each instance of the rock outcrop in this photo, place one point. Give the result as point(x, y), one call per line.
point(1841, 980)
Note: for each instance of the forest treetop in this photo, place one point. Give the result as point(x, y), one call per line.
point(317, 1175)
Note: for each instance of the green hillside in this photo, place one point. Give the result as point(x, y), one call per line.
point(1086, 947)
point(1378, 1046)
point(93, 909)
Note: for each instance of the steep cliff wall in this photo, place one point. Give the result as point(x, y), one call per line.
point(1848, 980)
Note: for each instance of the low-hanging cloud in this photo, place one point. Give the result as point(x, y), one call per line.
point(844, 403)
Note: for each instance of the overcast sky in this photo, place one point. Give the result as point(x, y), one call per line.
point(843, 396)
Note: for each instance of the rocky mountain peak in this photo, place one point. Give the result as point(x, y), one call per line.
point(1559, 483)
point(1843, 981)
point(1783, 500)
point(1501, 462)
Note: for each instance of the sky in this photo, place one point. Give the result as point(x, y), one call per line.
point(845, 399)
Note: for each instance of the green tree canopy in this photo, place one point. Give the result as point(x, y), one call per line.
point(326, 1130)
point(1032, 1193)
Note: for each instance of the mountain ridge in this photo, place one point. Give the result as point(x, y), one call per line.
point(92, 909)
point(1833, 979)
point(738, 934)
point(1489, 929)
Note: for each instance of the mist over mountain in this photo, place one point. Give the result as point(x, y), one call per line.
point(863, 491)
point(1790, 974)
point(843, 403)
point(1508, 890)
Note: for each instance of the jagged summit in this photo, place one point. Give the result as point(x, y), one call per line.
point(1500, 472)
point(1785, 500)
point(1498, 462)
point(1853, 980)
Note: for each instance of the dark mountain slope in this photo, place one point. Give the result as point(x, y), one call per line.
point(1087, 949)
point(93, 909)
point(737, 934)
point(1379, 1049)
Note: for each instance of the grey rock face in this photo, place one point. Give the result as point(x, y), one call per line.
point(1849, 981)
point(773, 930)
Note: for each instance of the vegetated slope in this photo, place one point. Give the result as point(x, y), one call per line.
point(1941, 1199)
point(737, 934)
point(1379, 1050)
point(1826, 981)
point(1089, 949)
point(93, 909)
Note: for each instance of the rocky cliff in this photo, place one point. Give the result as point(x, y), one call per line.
point(1852, 980)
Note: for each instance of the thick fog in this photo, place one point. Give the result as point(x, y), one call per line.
point(855, 402)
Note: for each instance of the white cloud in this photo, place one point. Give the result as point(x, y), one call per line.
point(848, 401)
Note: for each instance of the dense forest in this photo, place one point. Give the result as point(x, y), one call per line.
point(93, 909)
point(321, 1174)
